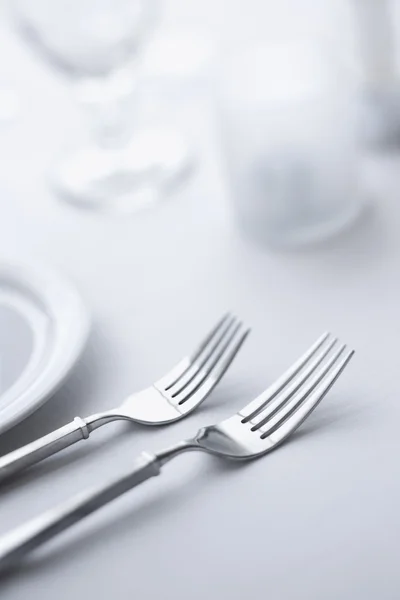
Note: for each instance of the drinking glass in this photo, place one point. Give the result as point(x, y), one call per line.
point(289, 133)
point(377, 23)
point(96, 43)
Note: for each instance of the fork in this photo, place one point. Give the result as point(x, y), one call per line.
point(255, 430)
point(171, 398)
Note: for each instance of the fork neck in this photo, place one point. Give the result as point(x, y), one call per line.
point(99, 419)
point(165, 456)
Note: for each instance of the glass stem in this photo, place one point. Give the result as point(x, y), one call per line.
point(110, 103)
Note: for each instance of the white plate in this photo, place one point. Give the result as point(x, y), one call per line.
point(43, 329)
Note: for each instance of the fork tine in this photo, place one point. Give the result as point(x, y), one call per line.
point(226, 317)
point(275, 422)
point(204, 372)
point(220, 365)
point(306, 408)
point(291, 389)
point(230, 325)
point(249, 411)
point(176, 372)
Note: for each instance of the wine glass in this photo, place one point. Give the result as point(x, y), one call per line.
point(96, 42)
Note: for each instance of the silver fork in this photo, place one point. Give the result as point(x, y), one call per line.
point(255, 430)
point(171, 398)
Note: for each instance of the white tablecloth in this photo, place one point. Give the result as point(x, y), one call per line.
point(317, 519)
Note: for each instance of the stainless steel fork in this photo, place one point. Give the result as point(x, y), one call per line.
point(171, 398)
point(255, 430)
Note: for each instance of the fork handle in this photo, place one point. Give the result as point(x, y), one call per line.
point(38, 531)
point(45, 446)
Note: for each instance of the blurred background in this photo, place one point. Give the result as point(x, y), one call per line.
point(113, 107)
point(172, 53)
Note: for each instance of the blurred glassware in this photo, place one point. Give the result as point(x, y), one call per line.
point(376, 29)
point(289, 133)
point(96, 43)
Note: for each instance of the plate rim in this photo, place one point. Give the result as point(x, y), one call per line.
point(64, 305)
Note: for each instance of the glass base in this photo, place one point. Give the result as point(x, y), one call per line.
point(302, 235)
point(381, 119)
point(126, 179)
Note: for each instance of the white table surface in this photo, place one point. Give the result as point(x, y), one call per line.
point(317, 519)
